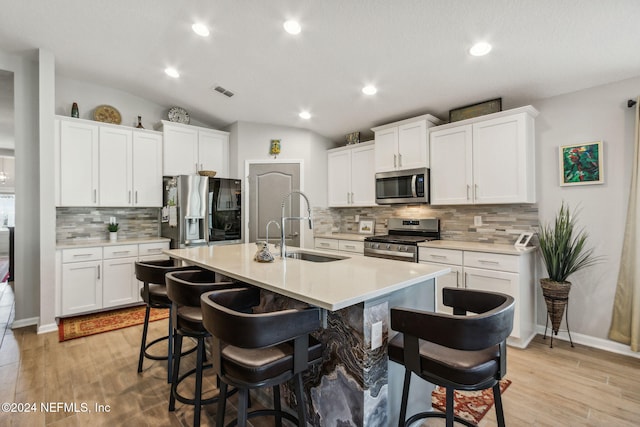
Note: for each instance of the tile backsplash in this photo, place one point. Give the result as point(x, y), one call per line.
point(90, 224)
point(500, 223)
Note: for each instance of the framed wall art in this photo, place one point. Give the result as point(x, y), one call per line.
point(523, 239)
point(581, 164)
point(366, 226)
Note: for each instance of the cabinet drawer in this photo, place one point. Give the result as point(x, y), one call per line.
point(146, 249)
point(332, 244)
point(351, 246)
point(120, 251)
point(82, 254)
point(442, 256)
point(490, 261)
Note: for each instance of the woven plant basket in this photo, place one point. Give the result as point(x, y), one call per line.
point(556, 296)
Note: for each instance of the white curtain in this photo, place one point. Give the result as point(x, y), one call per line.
point(625, 321)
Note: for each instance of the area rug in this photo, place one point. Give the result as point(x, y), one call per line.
point(469, 405)
point(90, 324)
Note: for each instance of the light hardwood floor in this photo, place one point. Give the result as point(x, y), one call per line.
point(562, 386)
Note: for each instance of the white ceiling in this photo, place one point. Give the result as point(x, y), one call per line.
point(414, 51)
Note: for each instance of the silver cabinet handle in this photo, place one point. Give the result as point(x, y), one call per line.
point(350, 246)
point(468, 188)
point(98, 271)
point(121, 252)
point(129, 196)
point(201, 168)
point(82, 255)
point(399, 160)
point(457, 279)
point(394, 161)
point(196, 166)
point(488, 261)
point(154, 250)
point(352, 198)
point(136, 197)
point(324, 244)
point(95, 196)
point(475, 192)
point(438, 256)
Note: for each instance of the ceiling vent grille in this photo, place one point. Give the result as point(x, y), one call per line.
point(223, 91)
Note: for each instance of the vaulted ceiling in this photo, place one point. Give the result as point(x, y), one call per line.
point(414, 51)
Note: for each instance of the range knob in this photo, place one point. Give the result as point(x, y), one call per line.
point(376, 245)
point(388, 246)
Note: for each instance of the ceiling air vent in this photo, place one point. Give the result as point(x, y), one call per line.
point(223, 91)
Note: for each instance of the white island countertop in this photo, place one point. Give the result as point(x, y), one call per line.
point(331, 285)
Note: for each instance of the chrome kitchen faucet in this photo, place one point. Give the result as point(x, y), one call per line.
point(283, 219)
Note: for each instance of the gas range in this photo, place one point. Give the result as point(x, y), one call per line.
point(402, 241)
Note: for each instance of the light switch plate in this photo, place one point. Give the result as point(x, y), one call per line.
point(477, 220)
point(376, 335)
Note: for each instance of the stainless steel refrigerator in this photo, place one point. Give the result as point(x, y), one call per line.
point(184, 210)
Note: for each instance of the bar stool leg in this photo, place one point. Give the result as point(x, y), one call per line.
point(276, 405)
point(145, 329)
point(302, 411)
point(405, 397)
point(497, 399)
point(170, 346)
point(198, 395)
point(242, 407)
point(222, 404)
point(177, 349)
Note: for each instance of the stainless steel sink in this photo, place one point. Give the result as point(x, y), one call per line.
point(307, 256)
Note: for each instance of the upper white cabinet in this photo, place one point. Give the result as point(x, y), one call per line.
point(107, 165)
point(484, 160)
point(351, 176)
point(189, 149)
point(404, 144)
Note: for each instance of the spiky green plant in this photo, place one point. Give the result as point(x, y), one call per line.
point(563, 246)
point(113, 227)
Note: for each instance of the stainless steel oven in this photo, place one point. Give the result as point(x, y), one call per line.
point(407, 187)
point(401, 243)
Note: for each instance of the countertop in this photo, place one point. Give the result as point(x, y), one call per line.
point(94, 243)
point(331, 285)
point(477, 247)
point(343, 236)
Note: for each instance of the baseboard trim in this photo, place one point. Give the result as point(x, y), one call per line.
point(589, 341)
point(25, 322)
point(45, 329)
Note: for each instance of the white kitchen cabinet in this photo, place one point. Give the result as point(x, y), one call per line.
point(107, 165)
point(403, 145)
point(81, 288)
point(101, 277)
point(351, 176)
point(348, 247)
point(189, 149)
point(77, 163)
point(484, 160)
point(511, 274)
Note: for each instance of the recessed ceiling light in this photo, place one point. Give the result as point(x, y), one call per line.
point(172, 72)
point(200, 29)
point(292, 27)
point(305, 115)
point(369, 90)
point(480, 49)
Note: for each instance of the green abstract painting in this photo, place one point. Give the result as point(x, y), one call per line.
point(581, 164)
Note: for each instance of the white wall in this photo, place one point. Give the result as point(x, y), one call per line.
point(594, 114)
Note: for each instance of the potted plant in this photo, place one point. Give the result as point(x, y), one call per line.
point(113, 231)
point(564, 251)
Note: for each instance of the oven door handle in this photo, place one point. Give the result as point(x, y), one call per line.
point(413, 185)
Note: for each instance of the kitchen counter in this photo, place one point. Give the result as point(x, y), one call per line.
point(477, 247)
point(357, 293)
point(343, 236)
point(331, 285)
point(94, 243)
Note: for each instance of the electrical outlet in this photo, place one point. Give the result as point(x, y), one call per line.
point(376, 335)
point(357, 218)
point(477, 220)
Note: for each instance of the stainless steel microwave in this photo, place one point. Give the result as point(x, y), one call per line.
point(402, 187)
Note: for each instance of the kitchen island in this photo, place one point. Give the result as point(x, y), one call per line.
point(352, 387)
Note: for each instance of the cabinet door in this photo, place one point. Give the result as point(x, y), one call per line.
point(363, 176)
point(339, 178)
point(78, 164)
point(147, 169)
point(119, 285)
point(213, 152)
point(386, 149)
point(115, 167)
point(413, 145)
point(81, 287)
point(454, 279)
point(496, 281)
point(451, 166)
point(500, 160)
point(180, 150)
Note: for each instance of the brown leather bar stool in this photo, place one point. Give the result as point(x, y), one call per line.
point(252, 351)
point(154, 294)
point(458, 352)
point(184, 289)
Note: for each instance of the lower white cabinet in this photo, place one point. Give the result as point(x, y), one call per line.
point(486, 271)
point(352, 247)
point(102, 277)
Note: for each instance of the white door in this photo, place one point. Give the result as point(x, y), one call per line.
point(213, 152)
point(386, 149)
point(339, 178)
point(268, 184)
point(451, 166)
point(119, 285)
point(412, 145)
point(363, 176)
point(180, 149)
point(78, 164)
point(147, 169)
point(115, 167)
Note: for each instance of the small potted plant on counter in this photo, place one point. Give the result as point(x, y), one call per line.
point(113, 230)
point(564, 251)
